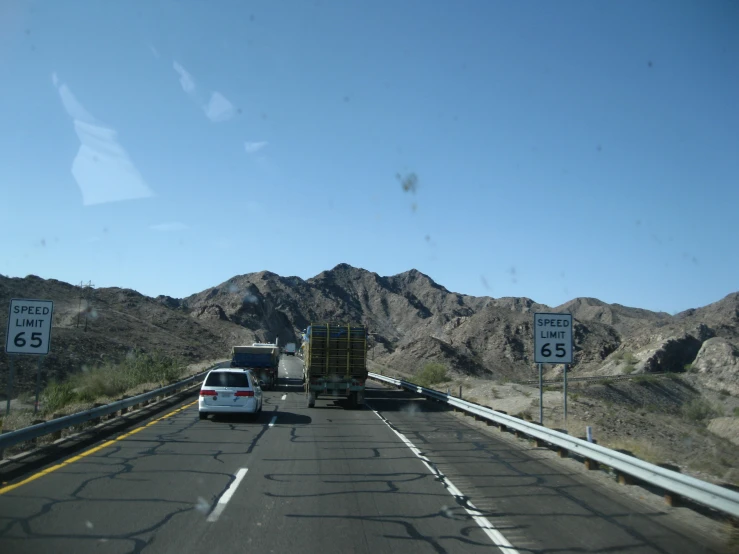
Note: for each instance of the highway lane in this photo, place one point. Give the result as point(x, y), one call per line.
point(539, 505)
point(321, 480)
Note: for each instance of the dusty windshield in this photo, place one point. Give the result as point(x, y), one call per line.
point(480, 258)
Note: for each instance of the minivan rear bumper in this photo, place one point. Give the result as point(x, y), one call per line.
point(249, 408)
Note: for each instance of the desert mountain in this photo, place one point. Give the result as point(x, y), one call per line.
point(413, 319)
point(106, 325)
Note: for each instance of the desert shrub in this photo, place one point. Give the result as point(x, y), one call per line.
point(431, 374)
point(698, 410)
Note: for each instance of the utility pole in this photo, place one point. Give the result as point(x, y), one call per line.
point(79, 306)
point(85, 294)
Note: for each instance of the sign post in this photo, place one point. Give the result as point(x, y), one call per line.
point(29, 332)
point(565, 394)
point(38, 384)
point(10, 384)
point(552, 345)
point(541, 395)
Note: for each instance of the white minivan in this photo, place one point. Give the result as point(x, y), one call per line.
point(230, 391)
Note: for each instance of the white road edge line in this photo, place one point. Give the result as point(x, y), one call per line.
point(226, 496)
point(496, 536)
point(272, 423)
point(284, 396)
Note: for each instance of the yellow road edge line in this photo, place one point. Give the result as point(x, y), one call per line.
point(92, 450)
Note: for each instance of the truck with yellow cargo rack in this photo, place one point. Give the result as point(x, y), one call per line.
point(335, 362)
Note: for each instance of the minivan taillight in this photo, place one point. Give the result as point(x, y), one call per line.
point(208, 393)
point(244, 393)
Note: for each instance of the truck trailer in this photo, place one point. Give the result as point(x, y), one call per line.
point(263, 360)
point(335, 362)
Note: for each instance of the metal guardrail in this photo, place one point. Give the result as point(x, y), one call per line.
point(55, 425)
point(710, 495)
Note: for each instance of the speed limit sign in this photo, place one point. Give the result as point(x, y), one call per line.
point(29, 327)
point(552, 338)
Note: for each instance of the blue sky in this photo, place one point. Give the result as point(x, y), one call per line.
point(561, 149)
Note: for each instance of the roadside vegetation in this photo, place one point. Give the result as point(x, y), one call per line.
point(432, 373)
point(111, 380)
point(699, 410)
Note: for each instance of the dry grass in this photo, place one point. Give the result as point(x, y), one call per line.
point(642, 449)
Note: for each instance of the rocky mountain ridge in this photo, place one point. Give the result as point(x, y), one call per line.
point(413, 320)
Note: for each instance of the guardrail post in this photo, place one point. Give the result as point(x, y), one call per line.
point(591, 464)
point(2, 451)
point(36, 422)
point(672, 499)
point(97, 420)
point(624, 479)
point(56, 435)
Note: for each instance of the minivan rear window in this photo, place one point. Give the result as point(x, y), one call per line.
point(227, 379)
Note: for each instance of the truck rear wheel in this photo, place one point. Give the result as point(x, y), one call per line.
point(353, 404)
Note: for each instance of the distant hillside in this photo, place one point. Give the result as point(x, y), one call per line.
point(413, 320)
point(118, 320)
point(416, 319)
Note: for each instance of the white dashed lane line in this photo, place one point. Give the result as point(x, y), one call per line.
point(272, 423)
point(284, 396)
point(493, 534)
point(226, 496)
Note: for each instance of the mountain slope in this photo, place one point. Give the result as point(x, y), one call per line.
point(412, 319)
point(107, 325)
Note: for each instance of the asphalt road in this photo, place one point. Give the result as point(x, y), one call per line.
point(400, 475)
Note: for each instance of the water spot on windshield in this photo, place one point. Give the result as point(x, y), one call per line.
point(202, 506)
point(484, 281)
point(409, 182)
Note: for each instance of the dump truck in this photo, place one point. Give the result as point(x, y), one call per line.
point(335, 362)
point(262, 359)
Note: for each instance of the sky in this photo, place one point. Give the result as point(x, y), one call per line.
point(550, 150)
